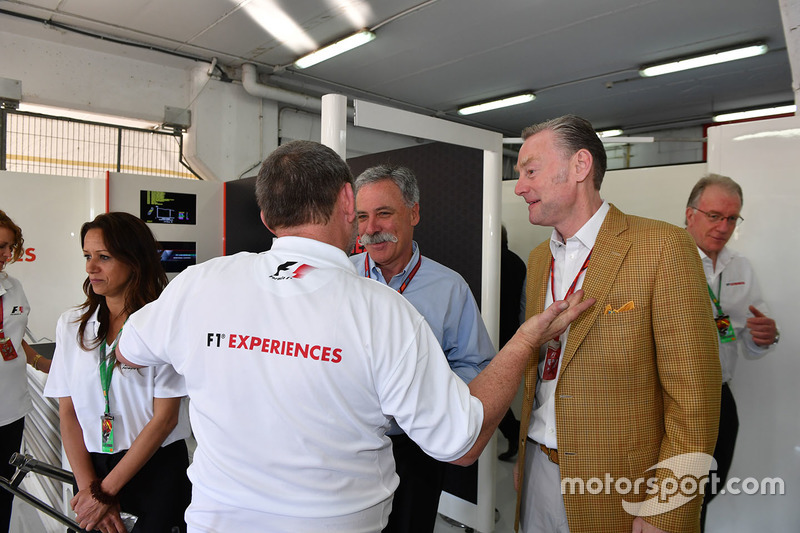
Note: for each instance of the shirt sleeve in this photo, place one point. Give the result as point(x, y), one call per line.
point(752, 350)
point(466, 343)
point(148, 332)
point(429, 402)
point(57, 385)
point(168, 383)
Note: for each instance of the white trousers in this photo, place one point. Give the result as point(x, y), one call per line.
point(542, 506)
point(205, 515)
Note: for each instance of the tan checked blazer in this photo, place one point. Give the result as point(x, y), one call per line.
point(635, 387)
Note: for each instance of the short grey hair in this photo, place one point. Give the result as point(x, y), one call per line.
point(714, 179)
point(403, 177)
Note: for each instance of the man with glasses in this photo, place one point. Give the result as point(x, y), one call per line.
point(712, 214)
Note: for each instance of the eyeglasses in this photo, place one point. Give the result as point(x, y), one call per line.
point(715, 218)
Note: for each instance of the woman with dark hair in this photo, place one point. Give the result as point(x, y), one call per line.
point(14, 399)
point(123, 429)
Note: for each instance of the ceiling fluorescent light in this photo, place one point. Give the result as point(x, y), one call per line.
point(339, 47)
point(703, 61)
point(497, 104)
point(609, 133)
point(755, 113)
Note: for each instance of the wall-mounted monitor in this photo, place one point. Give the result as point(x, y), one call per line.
point(177, 255)
point(160, 207)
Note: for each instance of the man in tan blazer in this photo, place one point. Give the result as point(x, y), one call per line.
point(634, 381)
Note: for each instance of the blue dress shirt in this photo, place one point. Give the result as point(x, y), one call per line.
point(443, 297)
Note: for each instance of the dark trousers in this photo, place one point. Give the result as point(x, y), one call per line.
point(509, 427)
point(416, 500)
point(159, 493)
point(10, 442)
point(723, 452)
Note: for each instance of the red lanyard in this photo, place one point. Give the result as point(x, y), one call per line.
point(405, 283)
point(575, 281)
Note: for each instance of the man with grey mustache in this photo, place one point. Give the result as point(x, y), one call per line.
point(387, 210)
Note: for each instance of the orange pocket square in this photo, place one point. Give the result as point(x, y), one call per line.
point(627, 307)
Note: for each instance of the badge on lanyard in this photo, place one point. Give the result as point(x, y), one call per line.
point(551, 360)
point(723, 321)
point(7, 348)
point(107, 432)
point(554, 345)
point(106, 370)
point(725, 329)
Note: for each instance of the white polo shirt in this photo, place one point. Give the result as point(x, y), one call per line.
point(75, 372)
point(16, 402)
point(294, 366)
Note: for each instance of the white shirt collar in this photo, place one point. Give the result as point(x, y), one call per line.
point(723, 258)
point(315, 249)
point(373, 268)
point(587, 235)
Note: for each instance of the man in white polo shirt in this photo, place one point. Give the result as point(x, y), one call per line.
point(294, 365)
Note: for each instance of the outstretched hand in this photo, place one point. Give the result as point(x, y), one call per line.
point(554, 320)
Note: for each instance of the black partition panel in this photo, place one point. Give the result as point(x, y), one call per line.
point(451, 206)
point(244, 231)
point(450, 182)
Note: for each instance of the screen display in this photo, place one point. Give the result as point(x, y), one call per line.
point(159, 207)
point(177, 255)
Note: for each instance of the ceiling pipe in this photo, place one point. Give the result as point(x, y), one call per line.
point(299, 100)
point(251, 85)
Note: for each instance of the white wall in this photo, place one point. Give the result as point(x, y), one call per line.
point(658, 192)
point(673, 147)
point(50, 210)
point(231, 131)
point(764, 157)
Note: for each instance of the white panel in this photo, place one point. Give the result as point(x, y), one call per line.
point(124, 195)
point(378, 117)
point(764, 158)
point(386, 119)
point(334, 123)
point(659, 192)
point(50, 210)
point(522, 236)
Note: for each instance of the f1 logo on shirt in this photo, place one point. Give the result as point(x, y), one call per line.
point(288, 270)
point(17, 310)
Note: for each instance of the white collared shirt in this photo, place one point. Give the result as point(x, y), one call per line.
point(13, 377)
point(295, 365)
point(569, 258)
point(735, 286)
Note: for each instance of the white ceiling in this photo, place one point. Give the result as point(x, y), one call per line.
point(578, 56)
